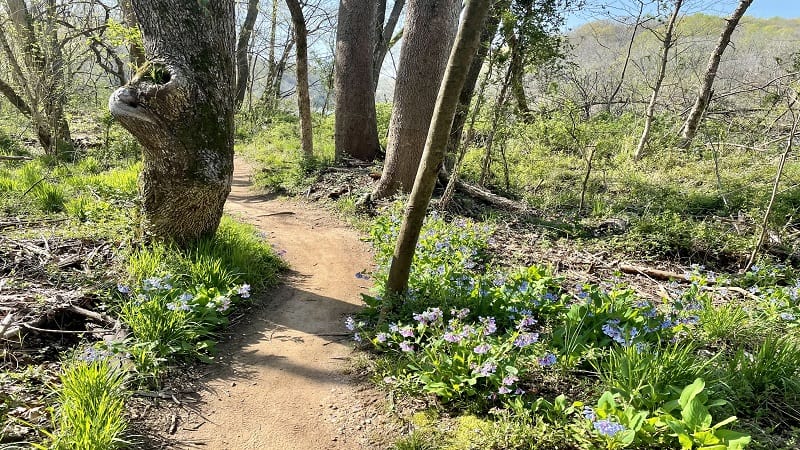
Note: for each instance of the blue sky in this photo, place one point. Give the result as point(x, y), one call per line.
point(759, 8)
point(773, 8)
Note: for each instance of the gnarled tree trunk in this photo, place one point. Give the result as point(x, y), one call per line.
point(180, 107)
point(303, 95)
point(356, 129)
point(423, 60)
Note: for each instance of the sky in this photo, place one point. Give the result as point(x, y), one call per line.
point(759, 8)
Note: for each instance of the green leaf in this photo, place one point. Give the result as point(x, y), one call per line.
point(725, 422)
point(625, 437)
point(696, 415)
point(691, 391)
point(735, 440)
point(685, 441)
point(606, 402)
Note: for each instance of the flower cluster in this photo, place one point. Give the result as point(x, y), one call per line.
point(608, 427)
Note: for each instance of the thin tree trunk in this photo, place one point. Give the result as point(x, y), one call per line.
point(499, 107)
point(181, 108)
point(662, 72)
point(464, 50)
point(385, 38)
point(778, 174)
point(303, 97)
point(135, 51)
point(422, 65)
point(356, 128)
point(704, 96)
point(461, 148)
point(242, 66)
point(465, 97)
point(636, 26)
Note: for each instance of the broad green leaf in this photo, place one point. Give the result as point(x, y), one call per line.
point(691, 391)
point(685, 441)
point(626, 437)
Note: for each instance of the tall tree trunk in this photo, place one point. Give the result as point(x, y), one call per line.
point(627, 62)
point(180, 107)
point(135, 51)
point(465, 97)
point(303, 97)
point(464, 50)
point(242, 44)
point(662, 72)
point(356, 128)
point(422, 64)
point(385, 34)
point(517, 71)
point(704, 96)
point(498, 112)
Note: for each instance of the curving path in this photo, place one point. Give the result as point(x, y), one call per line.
point(282, 373)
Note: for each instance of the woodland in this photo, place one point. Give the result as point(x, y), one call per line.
point(583, 215)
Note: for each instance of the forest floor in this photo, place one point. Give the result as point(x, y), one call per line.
point(283, 379)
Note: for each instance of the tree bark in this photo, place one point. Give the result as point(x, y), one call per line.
point(385, 34)
point(461, 56)
point(356, 128)
point(180, 107)
point(703, 97)
point(422, 64)
point(242, 60)
point(135, 51)
point(42, 80)
point(662, 72)
point(303, 97)
point(465, 97)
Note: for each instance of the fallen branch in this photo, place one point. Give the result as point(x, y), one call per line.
point(493, 199)
point(15, 158)
point(663, 275)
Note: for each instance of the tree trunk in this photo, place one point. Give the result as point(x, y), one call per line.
point(499, 109)
point(303, 97)
point(465, 97)
point(464, 50)
point(180, 107)
point(242, 61)
point(422, 64)
point(701, 102)
point(134, 50)
point(356, 128)
point(662, 72)
point(385, 34)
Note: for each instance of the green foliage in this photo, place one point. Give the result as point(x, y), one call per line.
point(49, 197)
point(693, 429)
point(91, 399)
point(181, 298)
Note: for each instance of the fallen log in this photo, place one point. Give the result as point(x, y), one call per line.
point(15, 158)
point(493, 199)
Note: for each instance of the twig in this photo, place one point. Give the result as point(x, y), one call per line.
point(778, 174)
point(657, 274)
point(44, 330)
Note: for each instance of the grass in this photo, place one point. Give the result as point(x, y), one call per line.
point(91, 413)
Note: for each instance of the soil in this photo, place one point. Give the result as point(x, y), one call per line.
point(283, 380)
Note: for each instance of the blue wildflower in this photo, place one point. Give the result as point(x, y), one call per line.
point(482, 349)
point(608, 427)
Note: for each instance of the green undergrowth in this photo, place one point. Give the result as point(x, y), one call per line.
point(173, 302)
point(699, 205)
point(176, 300)
point(535, 362)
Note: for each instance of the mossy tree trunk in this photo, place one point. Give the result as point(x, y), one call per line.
point(180, 107)
point(464, 50)
point(422, 65)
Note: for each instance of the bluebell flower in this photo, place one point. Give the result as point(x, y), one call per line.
point(504, 390)
point(487, 369)
point(451, 337)
point(526, 339)
point(123, 289)
point(381, 337)
point(406, 347)
point(789, 317)
point(482, 349)
point(350, 323)
point(244, 291)
point(510, 380)
point(489, 325)
point(548, 360)
point(407, 332)
point(608, 427)
point(589, 413)
point(357, 337)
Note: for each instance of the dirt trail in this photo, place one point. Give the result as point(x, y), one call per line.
point(282, 374)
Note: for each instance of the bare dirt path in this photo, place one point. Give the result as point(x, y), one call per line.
point(281, 378)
